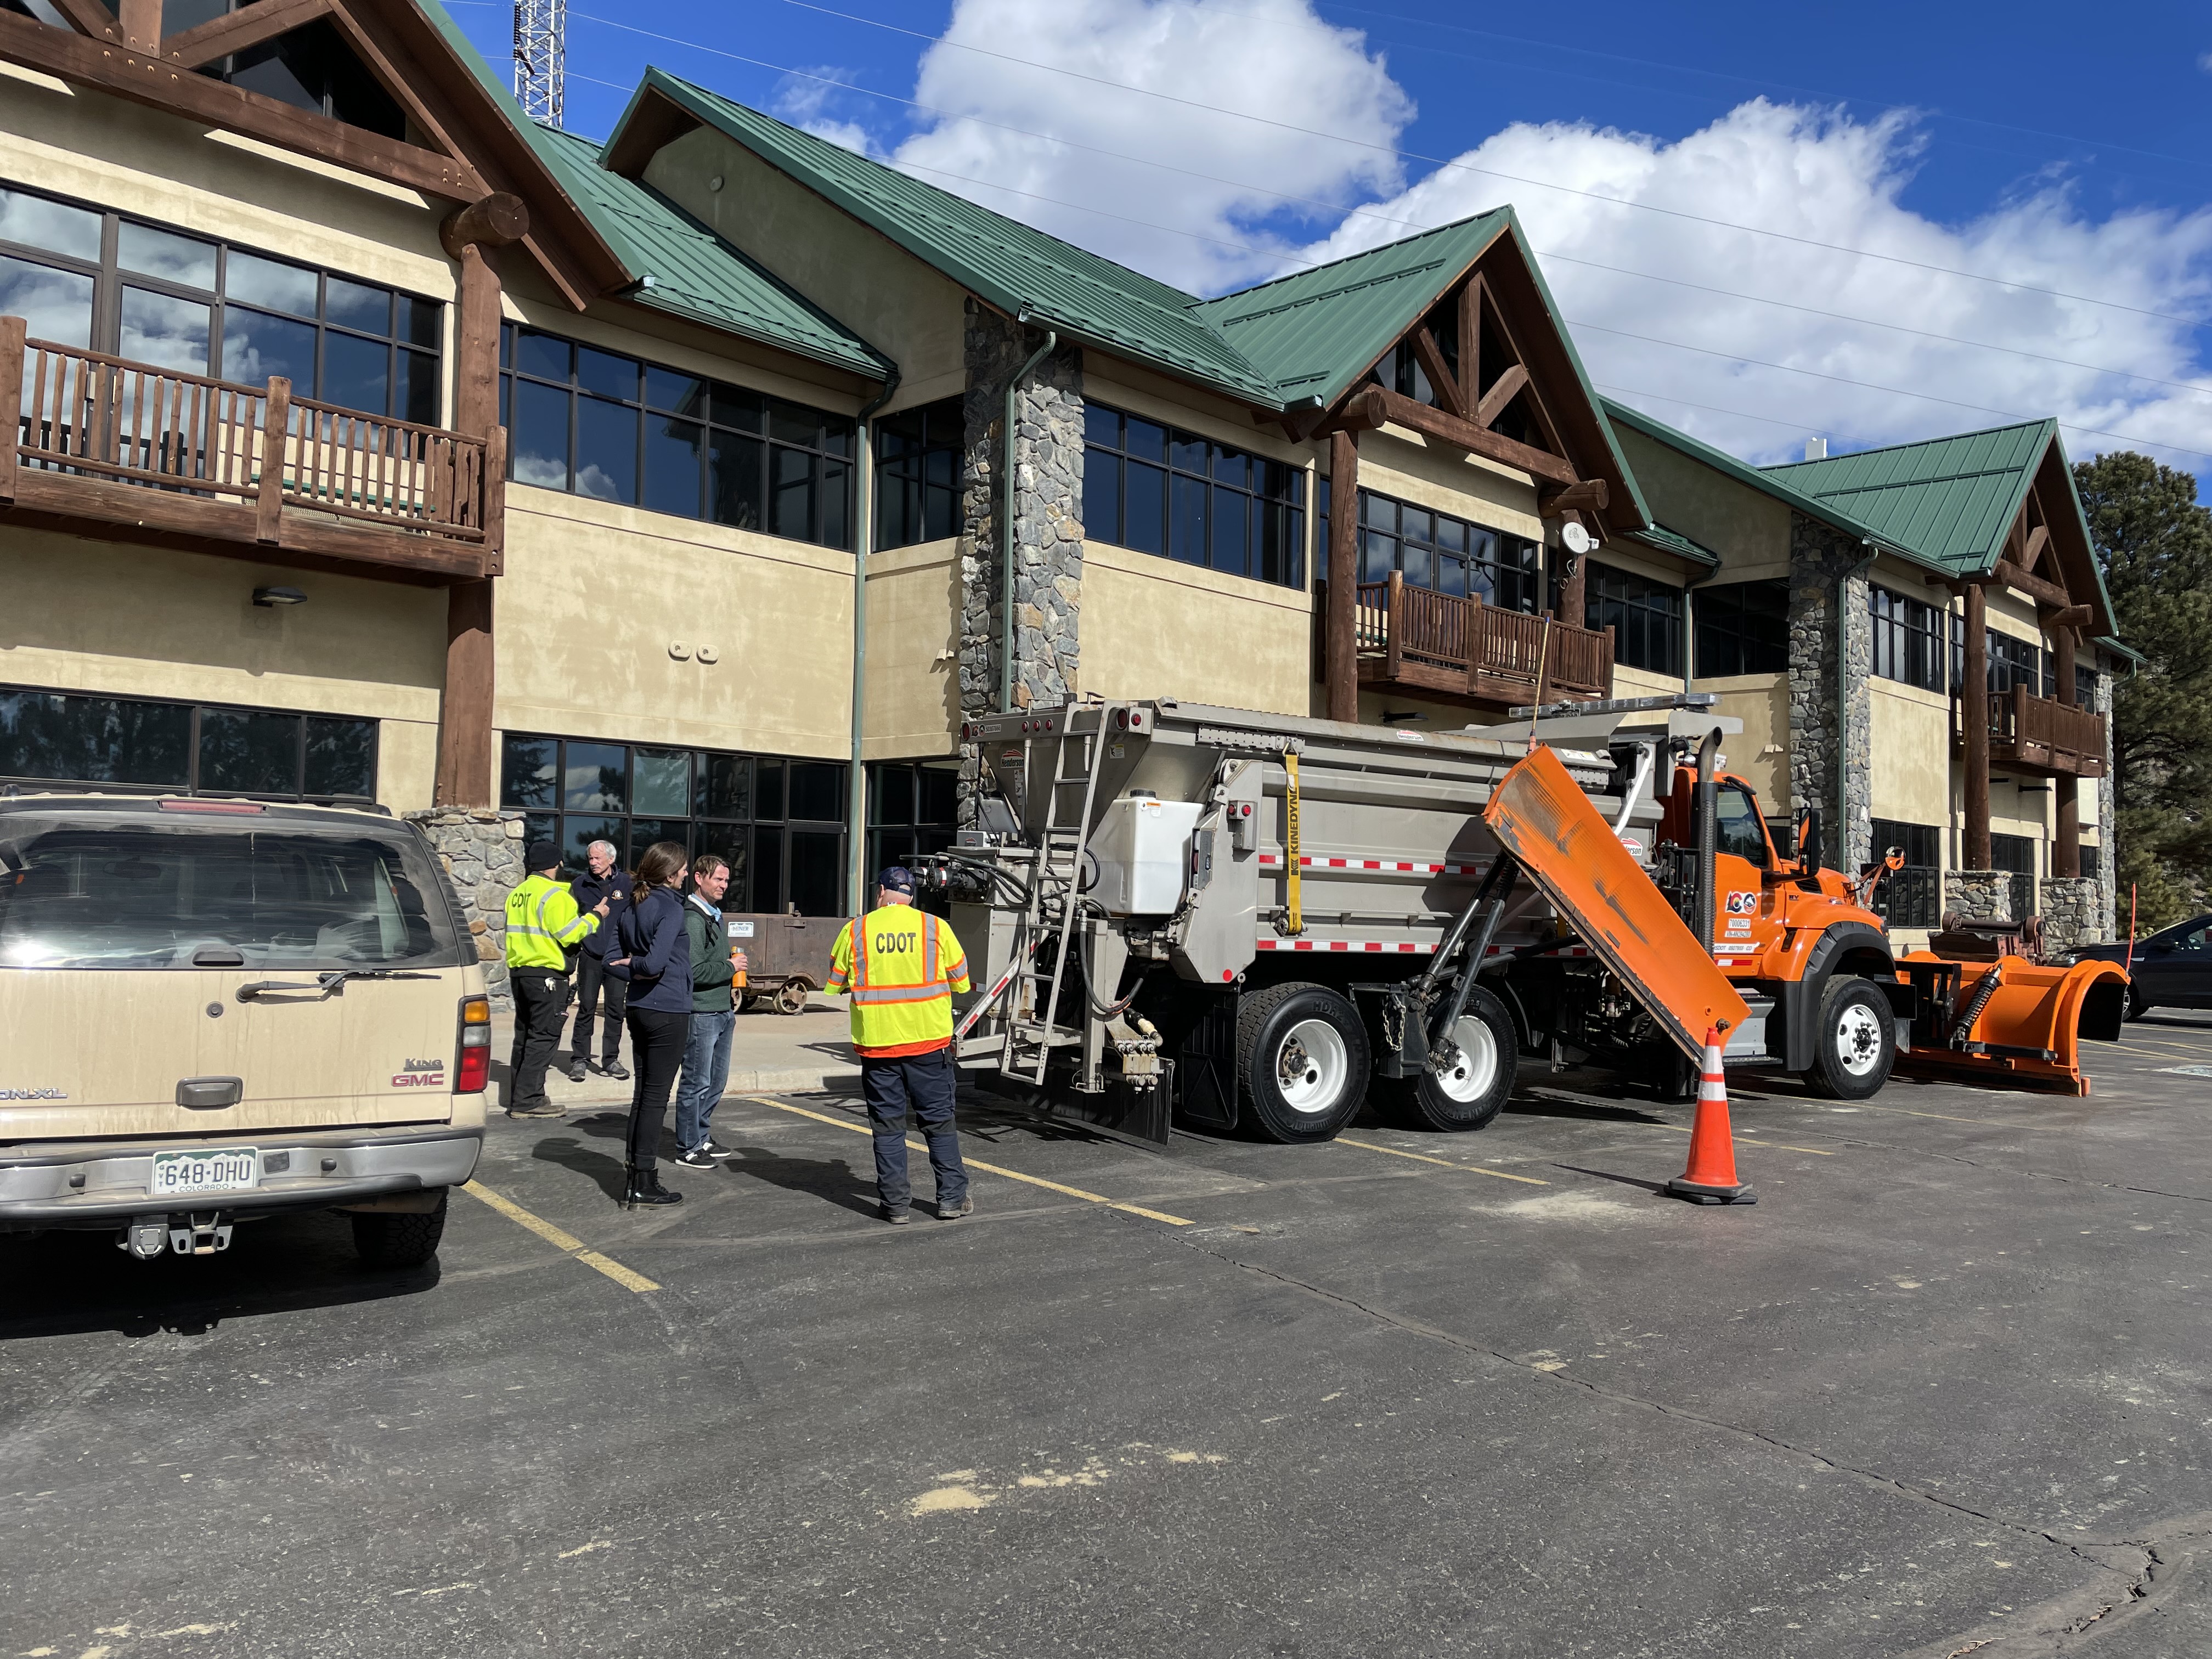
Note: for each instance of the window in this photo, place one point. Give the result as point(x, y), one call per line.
point(1743, 628)
point(913, 807)
point(2012, 852)
point(779, 821)
point(1738, 829)
point(182, 748)
point(1450, 555)
point(2089, 854)
point(207, 307)
point(601, 424)
point(2085, 686)
point(1911, 896)
point(1645, 616)
point(2014, 662)
point(1908, 640)
point(918, 474)
point(1156, 489)
point(310, 68)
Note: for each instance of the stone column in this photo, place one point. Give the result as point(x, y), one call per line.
point(1819, 558)
point(2070, 910)
point(480, 850)
point(1047, 522)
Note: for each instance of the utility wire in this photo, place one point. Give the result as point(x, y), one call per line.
point(1442, 162)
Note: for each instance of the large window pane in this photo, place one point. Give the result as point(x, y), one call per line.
point(725, 786)
point(341, 758)
point(578, 833)
point(1230, 530)
point(248, 754)
point(836, 496)
point(660, 783)
point(768, 790)
point(735, 480)
point(818, 873)
point(356, 373)
point(735, 406)
point(541, 355)
point(256, 346)
point(607, 374)
point(792, 424)
point(94, 740)
point(791, 492)
point(164, 330)
point(415, 395)
point(606, 450)
point(644, 832)
point(679, 394)
point(356, 305)
point(733, 844)
point(818, 790)
point(271, 286)
point(595, 778)
point(1146, 439)
point(54, 305)
point(1143, 523)
point(421, 322)
point(767, 869)
point(1102, 425)
point(528, 772)
point(1187, 527)
point(675, 453)
point(34, 221)
point(173, 258)
point(541, 435)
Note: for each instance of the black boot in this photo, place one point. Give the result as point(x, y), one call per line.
point(644, 1190)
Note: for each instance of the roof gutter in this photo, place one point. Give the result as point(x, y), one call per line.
point(1006, 515)
point(856, 799)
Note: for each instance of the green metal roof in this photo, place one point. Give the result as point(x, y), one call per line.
point(1662, 539)
point(1315, 332)
point(1014, 268)
point(680, 266)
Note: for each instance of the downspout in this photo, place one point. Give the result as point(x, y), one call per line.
point(1690, 626)
point(1843, 701)
point(1006, 518)
point(864, 533)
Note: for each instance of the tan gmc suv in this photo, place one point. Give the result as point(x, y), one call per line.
point(215, 1010)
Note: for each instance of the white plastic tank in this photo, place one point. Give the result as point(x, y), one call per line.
point(1143, 848)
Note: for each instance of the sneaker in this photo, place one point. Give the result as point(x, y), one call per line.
point(575, 1070)
point(617, 1070)
point(897, 1217)
point(718, 1152)
point(954, 1212)
point(696, 1158)
point(540, 1109)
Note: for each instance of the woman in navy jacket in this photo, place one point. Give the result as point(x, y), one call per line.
point(656, 961)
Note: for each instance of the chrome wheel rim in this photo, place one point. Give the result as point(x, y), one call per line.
point(1311, 1066)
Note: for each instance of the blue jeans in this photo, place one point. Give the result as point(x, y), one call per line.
point(925, 1082)
point(706, 1074)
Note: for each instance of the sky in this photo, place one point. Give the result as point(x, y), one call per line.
point(1764, 224)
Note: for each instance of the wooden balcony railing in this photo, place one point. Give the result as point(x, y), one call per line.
point(250, 453)
point(1419, 640)
point(2044, 736)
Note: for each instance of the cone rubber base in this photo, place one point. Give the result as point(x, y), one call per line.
point(1698, 1192)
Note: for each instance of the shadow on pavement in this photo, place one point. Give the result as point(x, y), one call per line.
point(830, 1178)
point(608, 1173)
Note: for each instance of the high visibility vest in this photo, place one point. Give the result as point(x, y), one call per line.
point(902, 966)
point(542, 920)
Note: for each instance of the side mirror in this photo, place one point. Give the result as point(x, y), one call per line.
point(1808, 840)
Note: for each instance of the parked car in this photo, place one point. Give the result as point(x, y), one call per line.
point(221, 1010)
point(2173, 967)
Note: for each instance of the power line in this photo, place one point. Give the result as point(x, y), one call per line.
point(1442, 162)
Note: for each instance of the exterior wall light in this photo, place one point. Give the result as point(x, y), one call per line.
point(267, 598)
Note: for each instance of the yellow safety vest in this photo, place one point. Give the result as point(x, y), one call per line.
point(542, 918)
point(902, 979)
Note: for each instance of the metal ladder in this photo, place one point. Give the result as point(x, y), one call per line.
point(1062, 846)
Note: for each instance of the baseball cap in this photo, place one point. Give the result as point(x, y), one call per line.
point(898, 878)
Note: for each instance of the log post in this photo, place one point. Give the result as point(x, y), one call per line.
point(141, 22)
point(276, 427)
point(1393, 627)
point(1343, 651)
point(1974, 714)
point(1574, 588)
point(464, 714)
point(12, 331)
point(2066, 839)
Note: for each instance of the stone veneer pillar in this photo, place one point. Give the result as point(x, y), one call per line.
point(481, 849)
point(1047, 524)
point(2070, 912)
point(1819, 556)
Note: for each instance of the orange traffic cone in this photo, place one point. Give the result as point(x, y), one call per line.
point(1710, 1178)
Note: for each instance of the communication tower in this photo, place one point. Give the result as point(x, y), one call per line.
point(541, 54)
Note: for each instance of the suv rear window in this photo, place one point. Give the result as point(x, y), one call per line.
point(110, 891)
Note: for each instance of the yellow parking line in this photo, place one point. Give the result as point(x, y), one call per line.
point(1751, 1139)
point(988, 1169)
point(561, 1241)
point(1423, 1158)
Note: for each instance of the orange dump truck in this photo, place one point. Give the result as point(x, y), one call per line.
point(1256, 920)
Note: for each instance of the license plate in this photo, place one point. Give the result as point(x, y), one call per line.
point(225, 1170)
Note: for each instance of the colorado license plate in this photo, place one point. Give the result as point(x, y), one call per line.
point(224, 1170)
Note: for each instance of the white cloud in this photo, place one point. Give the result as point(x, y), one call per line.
point(805, 100)
point(1817, 175)
point(1270, 57)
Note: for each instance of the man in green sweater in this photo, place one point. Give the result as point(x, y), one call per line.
point(713, 1015)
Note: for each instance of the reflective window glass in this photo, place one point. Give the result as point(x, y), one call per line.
point(528, 772)
point(791, 492)
point(606, 373)
point(660, 783)
point(257, 346)
point(674, 454)
point(415, 395)
point(421, 322)
point(735, 480)
point(150, 253)
point(817, 874)
point(595, 778)
point(34, 221)
point(341, 758)
point(247, 753)
point(269, 284)
point(164, 330)
point(679, 394)
point(356, 305)
point(539, 435)
point(94, 740)
point(54, 305)
point(606, 450)
point(817, 790)
point(542, 356)
point(356, 373)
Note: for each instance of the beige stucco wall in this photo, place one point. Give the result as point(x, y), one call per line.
point(911, 707)
point(1432, 474)
point(902, 307)
point(1911, 734)
point(1152, 628)
point(1760, 754)
point(1749, 529)
point(137, 622)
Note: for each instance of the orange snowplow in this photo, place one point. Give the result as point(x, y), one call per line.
point(2010, 1020)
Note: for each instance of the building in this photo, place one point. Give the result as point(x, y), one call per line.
point(376, 442)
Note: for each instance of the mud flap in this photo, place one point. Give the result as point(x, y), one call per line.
point(1541, 817)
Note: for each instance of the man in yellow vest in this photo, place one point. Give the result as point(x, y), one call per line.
point(543, 926)
point(901, 966)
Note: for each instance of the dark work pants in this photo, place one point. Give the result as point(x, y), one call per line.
point(656, 1049)
point(924, 1082)
point(540, 998)
point(593, 984)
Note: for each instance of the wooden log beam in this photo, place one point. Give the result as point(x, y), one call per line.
point(238, 30)
point(1402, 411)
point(2063, 623)
point(1471, 295)
point(493, 220)
point(463, 774)
point(2032, 549)
point(1341, 650)
point(1974, 716)
point(1362, 411)
point(144, 79)
point(2035, 588)
point(140, 23)
point(1431, 356)
point(1508, 386)
point(92, 18)
point(1590, 493)
point(11, 401)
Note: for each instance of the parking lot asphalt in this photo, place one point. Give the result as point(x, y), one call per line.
point(1946, 1387)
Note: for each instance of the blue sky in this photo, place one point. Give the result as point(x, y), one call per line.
point(2008, 142)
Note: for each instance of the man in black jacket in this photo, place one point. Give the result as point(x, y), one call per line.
point(602, 880)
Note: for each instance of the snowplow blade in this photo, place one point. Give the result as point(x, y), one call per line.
point(2027, 1035)
point(1542, 818)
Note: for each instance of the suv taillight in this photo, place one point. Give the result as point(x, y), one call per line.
point(473, 1064)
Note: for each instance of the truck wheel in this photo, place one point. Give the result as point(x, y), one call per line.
point(1469, 1093)
point(1301, 1062)
point(1855, 1042)
point(2136, 1006)
point(388, 1240)
point(791, 997)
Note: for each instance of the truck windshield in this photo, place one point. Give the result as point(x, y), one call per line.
point(1737, 829)
point(111, 890)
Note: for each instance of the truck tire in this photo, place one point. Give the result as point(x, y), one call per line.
point(1469, 1094)
point(388, 1240)
point(2136, 1006)
point(791, 997)
point(1854, 1041)
point(1301, 1062)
